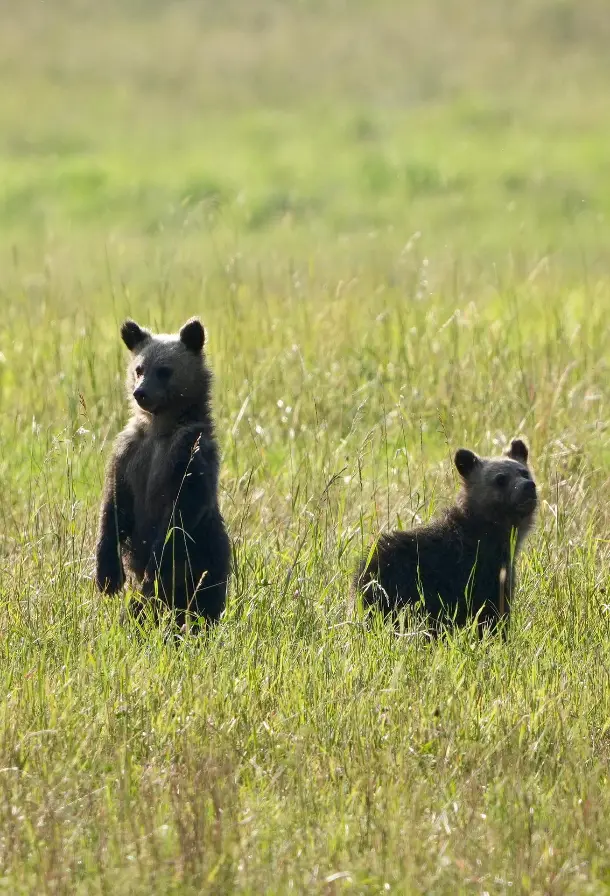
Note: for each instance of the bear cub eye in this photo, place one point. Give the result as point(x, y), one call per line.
point(139, 370)
point(501, 479)
point(164, 373)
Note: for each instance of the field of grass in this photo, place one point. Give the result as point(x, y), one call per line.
point(393, 219)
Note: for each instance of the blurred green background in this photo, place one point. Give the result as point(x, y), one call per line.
point(482, 125)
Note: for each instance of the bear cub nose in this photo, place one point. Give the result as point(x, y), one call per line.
point(529, 487)
point(139, 394)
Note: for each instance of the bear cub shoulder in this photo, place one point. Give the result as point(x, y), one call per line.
point(160, 521)
point(463, 565)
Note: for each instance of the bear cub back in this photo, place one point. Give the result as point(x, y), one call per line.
point(463, 565)
point(160, 521)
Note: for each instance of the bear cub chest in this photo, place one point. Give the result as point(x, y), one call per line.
point(149, 476)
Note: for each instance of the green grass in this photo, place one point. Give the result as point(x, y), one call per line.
point(393, 220)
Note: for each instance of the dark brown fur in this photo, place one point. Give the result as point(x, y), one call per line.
point(160, 520)
point(463, 565)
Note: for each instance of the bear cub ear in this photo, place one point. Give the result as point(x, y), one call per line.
point(133, 334)
point(518, 451)
point(192, 335)
point(465, 462)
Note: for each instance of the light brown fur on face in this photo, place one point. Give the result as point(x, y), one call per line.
point(167, 373)
point(499, 489)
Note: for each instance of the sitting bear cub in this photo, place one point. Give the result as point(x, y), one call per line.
point(462, 565)
point(160, 520)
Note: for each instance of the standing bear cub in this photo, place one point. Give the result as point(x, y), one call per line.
point(160, 520)
point(463, 565)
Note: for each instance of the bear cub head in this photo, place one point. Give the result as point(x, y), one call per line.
point(498, 490)
point(167, 373)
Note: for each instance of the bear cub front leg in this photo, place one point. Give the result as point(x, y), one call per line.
point(114, 528)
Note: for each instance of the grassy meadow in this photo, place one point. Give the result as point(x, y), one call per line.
point(393, 220)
